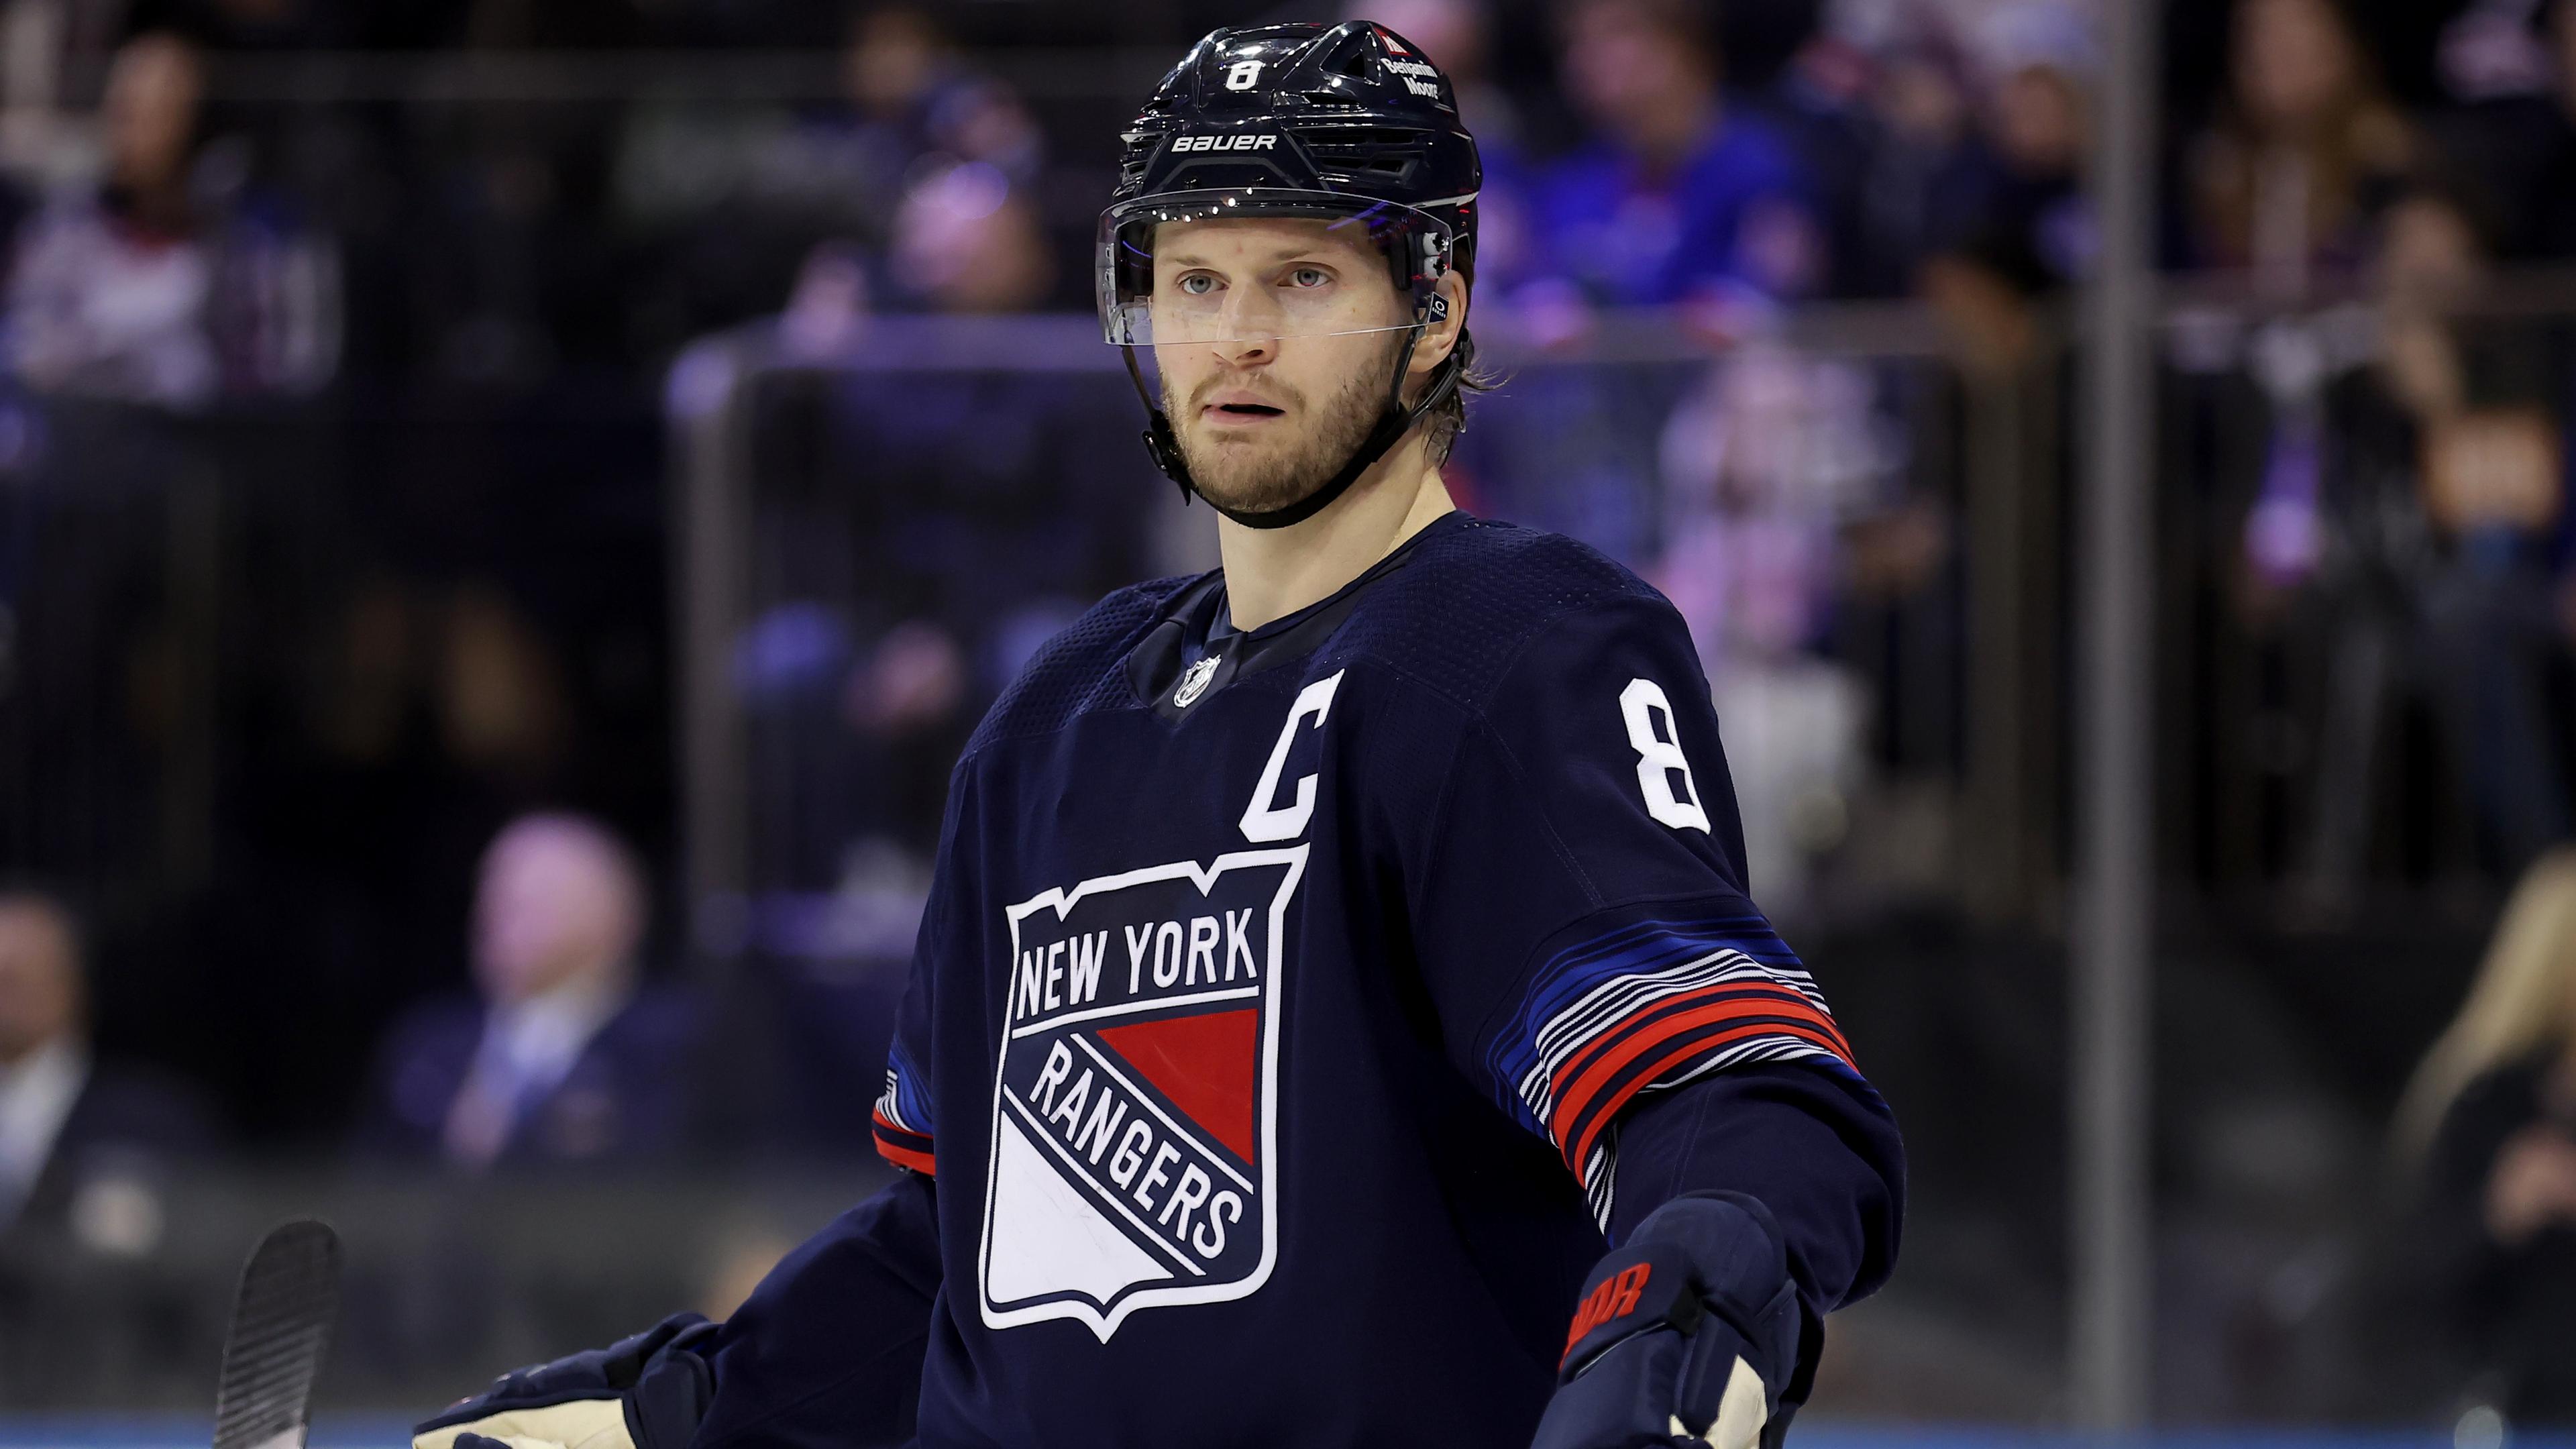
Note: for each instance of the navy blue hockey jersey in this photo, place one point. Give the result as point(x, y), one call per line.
point(1280, 995)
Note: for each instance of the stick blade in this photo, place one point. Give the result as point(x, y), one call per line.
point(280, 1331)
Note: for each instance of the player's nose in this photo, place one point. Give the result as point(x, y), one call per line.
point(1247, 351)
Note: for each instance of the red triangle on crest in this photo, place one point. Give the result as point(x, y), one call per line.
point(1204, 1063)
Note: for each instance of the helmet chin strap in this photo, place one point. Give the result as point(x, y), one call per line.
point(1394, 420)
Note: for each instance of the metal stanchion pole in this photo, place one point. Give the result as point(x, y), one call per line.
point(709, 422)
point(2112, 1214)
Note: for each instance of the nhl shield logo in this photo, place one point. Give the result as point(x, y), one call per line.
point(1194, 682)
point(1134, 1157)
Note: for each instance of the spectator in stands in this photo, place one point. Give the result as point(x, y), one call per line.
point(167, 282)
point(1927, 172)
point(72, 1127)
point(749, 206)
point(1679, 199)
point(1764, 466)
point(909, 92)
point(2031, 232)
point(2035, 230)
point(565, 1057)
point(2519, 146)
point(2490, 1122)
point(1458, 36)
point(2304, 153)
point(2420, 503)
point(966, 240)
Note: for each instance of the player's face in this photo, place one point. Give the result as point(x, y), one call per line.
point(1292, 327)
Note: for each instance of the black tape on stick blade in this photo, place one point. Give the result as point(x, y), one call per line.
point(280, 1332)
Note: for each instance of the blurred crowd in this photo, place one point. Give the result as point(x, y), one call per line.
point(197, 222)
point(559, 1050)
point(463, 249)
point(189, 223)
point(182, 236)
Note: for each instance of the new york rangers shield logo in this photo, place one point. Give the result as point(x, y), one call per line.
point(1135, 1110)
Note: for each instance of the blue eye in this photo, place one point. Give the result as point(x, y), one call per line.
point(1309, 277)
point(1197, 284)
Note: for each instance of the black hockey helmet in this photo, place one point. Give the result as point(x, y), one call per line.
point(1346, 123)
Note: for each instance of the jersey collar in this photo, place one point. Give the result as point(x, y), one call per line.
point(1170, 667)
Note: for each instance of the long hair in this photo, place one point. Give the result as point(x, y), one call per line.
point(2519, 1004)
point(1445, 422)
point(2347, 155)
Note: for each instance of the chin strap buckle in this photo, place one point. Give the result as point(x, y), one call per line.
point(1165, 450)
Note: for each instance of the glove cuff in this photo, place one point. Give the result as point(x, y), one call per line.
point(659, 1378)
point(1739, 1267)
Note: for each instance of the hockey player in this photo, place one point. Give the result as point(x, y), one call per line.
point(1338, 1017)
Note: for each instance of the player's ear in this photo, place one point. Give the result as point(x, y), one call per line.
point(1440, 338)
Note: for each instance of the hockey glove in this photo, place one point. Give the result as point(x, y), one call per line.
point(1689, 1334)
point(645, 1392)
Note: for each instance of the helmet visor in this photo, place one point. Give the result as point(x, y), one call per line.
point(1250, 264)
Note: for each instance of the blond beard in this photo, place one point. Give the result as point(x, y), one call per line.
point(1266, 479)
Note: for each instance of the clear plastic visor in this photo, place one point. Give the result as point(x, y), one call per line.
point(1259, 264)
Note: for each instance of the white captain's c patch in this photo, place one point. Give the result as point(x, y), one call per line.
point(1135, 1108)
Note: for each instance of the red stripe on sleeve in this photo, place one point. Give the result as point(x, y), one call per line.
point(1582, 1148)
point(904, 1157)
point(1612, 1048)
point(896, 1145)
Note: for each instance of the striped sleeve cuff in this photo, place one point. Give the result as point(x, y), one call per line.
point(1649, 1007)
point(902, 1132)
